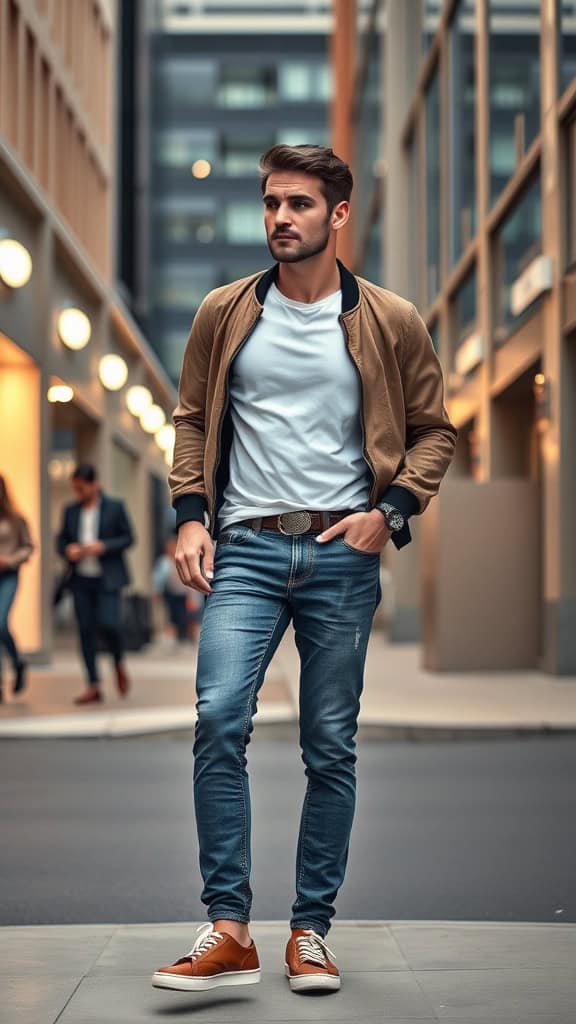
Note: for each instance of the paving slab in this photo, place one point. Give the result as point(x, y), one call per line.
point(501, 993)
point(486, 946)
point(109, 967)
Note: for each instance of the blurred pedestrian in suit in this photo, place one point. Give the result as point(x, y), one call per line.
point(15, 549)
point(94, 534)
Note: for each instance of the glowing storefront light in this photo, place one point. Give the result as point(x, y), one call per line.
point(15, 263)
point(152, 419)
point(165, 437)
point(138, 398)
point(113, 372)
point(60, 393)
point(74, 328)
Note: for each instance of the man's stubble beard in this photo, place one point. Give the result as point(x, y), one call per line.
point(306, 250)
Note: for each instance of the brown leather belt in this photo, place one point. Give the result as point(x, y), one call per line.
point(295, 523)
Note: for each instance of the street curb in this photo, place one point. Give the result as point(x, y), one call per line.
point(166, 721)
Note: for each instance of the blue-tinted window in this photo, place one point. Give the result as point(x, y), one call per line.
point(462, 184)
point(433, 187)
point(516, 244)
point(567, 43)
point(514, 85)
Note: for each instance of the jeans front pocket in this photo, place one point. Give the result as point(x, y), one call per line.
point(235, 534)
point(357, 551)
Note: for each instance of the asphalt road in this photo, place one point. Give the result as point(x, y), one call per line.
point(103, 831)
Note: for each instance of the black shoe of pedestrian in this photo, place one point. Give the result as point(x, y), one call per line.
point(19, 678)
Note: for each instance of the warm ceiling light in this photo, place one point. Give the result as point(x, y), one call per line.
point(138, 398)
point(152, 419)
point(74, 328)
point(169, 457)
point(165, 437)
point(201, 168)
point(15, 263)
point(60, 393)
point(113, 372)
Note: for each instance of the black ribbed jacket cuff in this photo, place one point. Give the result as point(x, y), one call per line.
point(190, 508)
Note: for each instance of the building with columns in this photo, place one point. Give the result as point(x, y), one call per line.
point(475, 211)
point(63, 322)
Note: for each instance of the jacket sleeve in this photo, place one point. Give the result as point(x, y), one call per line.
point(124, 536)
point(25, 545)
point(430, 436)
point(62, 540)
point(186, 479)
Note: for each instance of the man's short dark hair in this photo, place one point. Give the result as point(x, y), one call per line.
point(85, 471)
point(320, 161)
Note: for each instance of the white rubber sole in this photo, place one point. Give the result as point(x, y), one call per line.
point(182, 984)
point(312, 982)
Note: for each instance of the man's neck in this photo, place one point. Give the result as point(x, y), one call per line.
point(310, 280)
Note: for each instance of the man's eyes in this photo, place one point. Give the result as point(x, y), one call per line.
point(299, 203)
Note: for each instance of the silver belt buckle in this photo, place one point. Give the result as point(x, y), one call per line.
point(294, 523)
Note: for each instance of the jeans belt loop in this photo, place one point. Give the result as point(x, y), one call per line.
point(325, 520)
point(256, 524)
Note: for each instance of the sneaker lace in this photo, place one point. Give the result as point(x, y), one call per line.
point(313, 949)
point(204, 942)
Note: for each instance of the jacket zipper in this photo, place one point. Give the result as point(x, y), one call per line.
point(221, 421)
point(362, 421)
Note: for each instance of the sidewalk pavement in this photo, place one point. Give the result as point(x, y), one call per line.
point(399, 696)
point(391, 972)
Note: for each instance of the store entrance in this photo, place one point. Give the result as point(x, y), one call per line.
point(20, 465)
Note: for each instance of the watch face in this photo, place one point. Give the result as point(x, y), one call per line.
point(395, 521)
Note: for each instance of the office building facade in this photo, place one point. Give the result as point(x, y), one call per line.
point(70, 349)
point(478, 229)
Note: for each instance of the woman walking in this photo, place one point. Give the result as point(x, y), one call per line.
point(15, 548)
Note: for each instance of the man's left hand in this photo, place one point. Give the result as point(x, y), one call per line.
point(366, 531)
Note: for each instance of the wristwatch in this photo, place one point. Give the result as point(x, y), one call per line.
point(395, 521)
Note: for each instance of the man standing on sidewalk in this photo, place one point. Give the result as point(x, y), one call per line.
point(94, 534)
point(310, 427)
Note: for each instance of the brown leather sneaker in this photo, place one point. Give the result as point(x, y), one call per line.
point(308, 967)
point(215, 959)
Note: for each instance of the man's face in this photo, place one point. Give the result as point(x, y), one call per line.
point(295, 216)
point(83, 490)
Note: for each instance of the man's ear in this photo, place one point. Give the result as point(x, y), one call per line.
point(340, 215)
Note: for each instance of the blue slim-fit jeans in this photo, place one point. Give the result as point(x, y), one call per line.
point(262, 581)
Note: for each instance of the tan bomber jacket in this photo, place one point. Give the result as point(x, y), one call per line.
point(408, 438)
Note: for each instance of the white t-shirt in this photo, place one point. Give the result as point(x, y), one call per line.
point(295, 405)
point(87, 534)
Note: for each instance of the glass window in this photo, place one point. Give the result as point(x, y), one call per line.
point(464, 307)
point(514, 86)
point(244, 223)
point(431, 14)
point(186, 82)
point(518, 241)
point(241, 152)
point(433, 187)
point(182, 286)
point(304, 82)
point(303, 136)
point(186, 222)
point(178, 148)
point(567, 43)
point(244, 86)
point(462, 185)
point(415, 213)
point(571, 192)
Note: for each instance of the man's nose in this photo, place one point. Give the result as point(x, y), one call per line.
point(283, 215)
